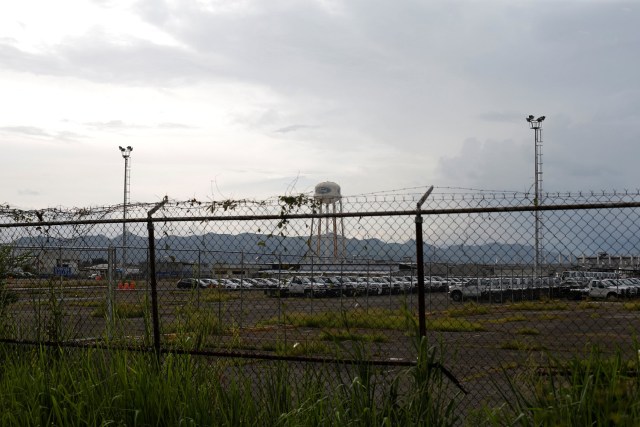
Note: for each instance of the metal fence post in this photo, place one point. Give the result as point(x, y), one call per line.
point(422, 321)
point(152, 278)
point(312, 290)
point(199, 276)
point(111, 256)
point(59, 300)
point(242, 285)
point(390, 284)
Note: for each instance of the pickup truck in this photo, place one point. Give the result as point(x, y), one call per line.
point(606, 289)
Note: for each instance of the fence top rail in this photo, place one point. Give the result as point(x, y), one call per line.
point(287, 216)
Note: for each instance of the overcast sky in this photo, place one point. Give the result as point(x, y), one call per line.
point(251, 99)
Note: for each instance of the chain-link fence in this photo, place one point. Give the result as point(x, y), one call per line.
point(294, 279)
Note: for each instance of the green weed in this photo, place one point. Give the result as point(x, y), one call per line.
point(595, 391)
point(122, 310)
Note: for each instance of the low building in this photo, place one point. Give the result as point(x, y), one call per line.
point(606, 261)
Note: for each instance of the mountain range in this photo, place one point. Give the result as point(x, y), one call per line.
point(252, 247)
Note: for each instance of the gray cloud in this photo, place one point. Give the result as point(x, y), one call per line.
point(497, 117)
point(168, 125)
point(430, 91)
point(15, 59)
point(95, 58)
point(117, 125)
point(113, 125)
point(33, 131)
point(25, 130)
point(293, 128)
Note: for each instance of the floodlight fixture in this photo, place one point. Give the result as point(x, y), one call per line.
point(126, 152)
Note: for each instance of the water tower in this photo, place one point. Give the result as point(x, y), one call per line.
point(328, 243)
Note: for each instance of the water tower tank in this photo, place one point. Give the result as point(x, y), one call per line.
point(327, 192)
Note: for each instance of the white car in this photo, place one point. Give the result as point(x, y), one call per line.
point(304, 286)
point(369, 285)
point(473, 288)
point(190, 283)
point(229, 283)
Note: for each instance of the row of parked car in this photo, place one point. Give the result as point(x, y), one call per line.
point(320, 285)
point(458, 288)
point(500, 289)
point(609, 289)
point(226, 283)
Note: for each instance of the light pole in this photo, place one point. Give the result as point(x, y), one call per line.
point(126, 152)
point(536, 125)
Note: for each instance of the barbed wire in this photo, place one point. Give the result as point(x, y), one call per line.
point(304, 203)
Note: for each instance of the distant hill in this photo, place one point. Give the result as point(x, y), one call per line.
point(251, 247)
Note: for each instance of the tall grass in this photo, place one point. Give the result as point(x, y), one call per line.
point(595, 391)
point(52, 386)
point(98, 387)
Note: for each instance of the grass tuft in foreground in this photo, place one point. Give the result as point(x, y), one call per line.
point(595, 391)
point(51, 386)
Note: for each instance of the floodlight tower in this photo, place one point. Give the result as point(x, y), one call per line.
point(126, 152)
point(536, 125)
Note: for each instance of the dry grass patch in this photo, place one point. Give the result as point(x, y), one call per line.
point(470, 309)
point(538, 306)
point(589, 305)
point(509, 319)
point(362, 319)
point(454, 325)
point(342, 335)
point(528, 331)
point(632, 306)
point(521, 346)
